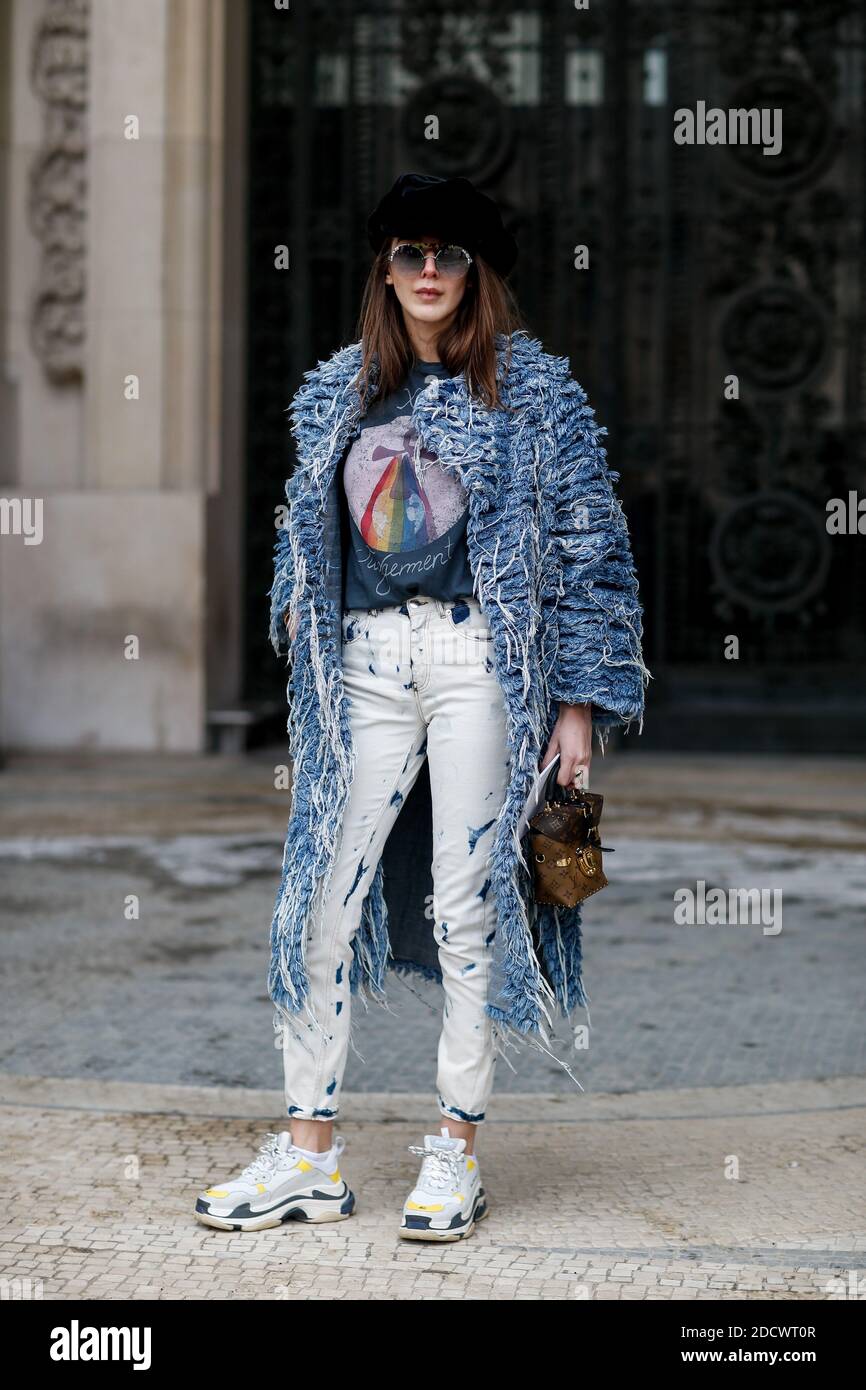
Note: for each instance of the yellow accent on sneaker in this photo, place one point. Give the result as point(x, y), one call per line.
point(419, 1206)
point(304, 1166)
point(215, 1192)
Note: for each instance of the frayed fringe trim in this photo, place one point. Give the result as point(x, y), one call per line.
point(505, 1035)
point(412, 967)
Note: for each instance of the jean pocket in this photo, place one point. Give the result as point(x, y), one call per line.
point(354, 625)
point(469, 621)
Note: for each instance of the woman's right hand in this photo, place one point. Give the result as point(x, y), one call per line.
point(291, 626)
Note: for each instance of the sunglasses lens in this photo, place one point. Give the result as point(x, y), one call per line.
point(407, 260)
point(451, 261)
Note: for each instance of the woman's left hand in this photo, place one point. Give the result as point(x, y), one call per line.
point(572, 740)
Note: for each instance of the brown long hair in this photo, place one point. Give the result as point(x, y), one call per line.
point(488, 307)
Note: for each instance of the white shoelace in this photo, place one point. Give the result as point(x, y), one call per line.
point(265, 1161)
point(441, 1170)
point(270, 1153)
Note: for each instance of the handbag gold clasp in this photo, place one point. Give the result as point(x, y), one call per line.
point(586, 862)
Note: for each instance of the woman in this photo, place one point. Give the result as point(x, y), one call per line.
point(455, 590)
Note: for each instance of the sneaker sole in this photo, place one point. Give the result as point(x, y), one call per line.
point(307, 1209)
point(480, 1210)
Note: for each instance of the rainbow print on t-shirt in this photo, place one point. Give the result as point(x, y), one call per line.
point(398, 515)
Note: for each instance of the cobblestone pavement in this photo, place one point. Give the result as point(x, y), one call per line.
point(137, 1059)
point(720, 1193)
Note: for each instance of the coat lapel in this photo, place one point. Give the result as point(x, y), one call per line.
point(326, 416)
point(463, 434)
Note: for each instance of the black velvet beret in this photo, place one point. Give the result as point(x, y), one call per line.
point(423, 204)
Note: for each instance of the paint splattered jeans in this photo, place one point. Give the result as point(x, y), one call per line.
point(421, 683)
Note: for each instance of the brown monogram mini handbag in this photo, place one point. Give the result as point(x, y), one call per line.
point(565, 845)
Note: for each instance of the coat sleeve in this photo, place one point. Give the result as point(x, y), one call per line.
point(596, 613)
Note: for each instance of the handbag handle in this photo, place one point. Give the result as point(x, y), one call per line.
point(564, 794)
point(567, 796)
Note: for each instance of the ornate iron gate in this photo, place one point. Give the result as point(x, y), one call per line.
point(704, 261)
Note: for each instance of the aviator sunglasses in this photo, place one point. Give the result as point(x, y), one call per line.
point(410, 258)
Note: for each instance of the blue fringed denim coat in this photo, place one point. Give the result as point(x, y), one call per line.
point(552, 566)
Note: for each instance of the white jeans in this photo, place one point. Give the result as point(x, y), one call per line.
point(421, 682)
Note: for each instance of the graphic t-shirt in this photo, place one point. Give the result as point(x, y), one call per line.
point(407, 516)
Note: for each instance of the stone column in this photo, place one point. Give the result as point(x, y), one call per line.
point(111, 381)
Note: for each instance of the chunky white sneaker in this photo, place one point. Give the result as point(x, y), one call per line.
point(448, 1198)
point(279, 1185)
